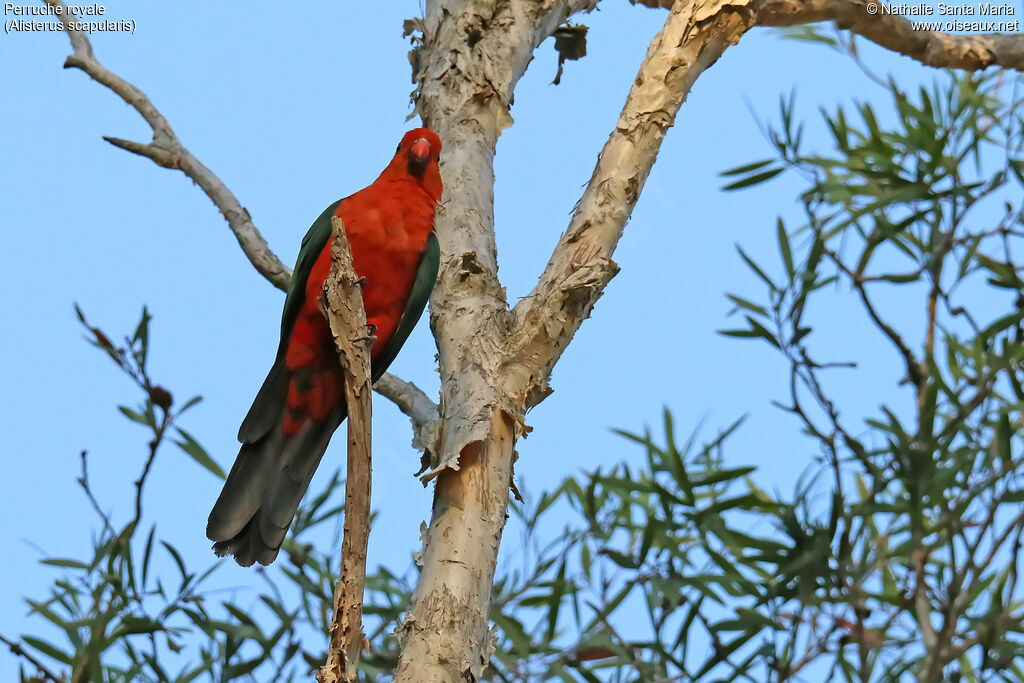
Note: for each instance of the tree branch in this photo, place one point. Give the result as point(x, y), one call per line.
point(409, 398)
point(343, 300)
point(893, 32)
point(581, 265)
point(422, 412)
point(167, 151)
point(970, 51)
point(694, 36)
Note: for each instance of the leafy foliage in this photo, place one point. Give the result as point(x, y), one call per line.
point(925, 526)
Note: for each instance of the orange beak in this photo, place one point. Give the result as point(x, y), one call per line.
point(419, 155)
point(420, 148)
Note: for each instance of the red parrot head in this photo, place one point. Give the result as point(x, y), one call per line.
point(417, 156)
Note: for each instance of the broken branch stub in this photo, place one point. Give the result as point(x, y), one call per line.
point(343, 305)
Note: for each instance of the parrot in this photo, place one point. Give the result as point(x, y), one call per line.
point(390, 228)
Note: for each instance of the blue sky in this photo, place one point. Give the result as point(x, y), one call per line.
point(293, 110)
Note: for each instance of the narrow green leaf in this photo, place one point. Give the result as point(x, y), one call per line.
point(189, 403)
point(48, 649)
point(177, 558)
point(135, 416)
point(754, 179)
point(749, 334)
point(746, 168)
point(64, 562)
point(756, 268)
point(1002, 438)
point(900, 278)
point(784, 249)
point(198, 453)
point(748, 305)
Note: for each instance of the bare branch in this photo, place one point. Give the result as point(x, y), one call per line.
point(167, 151)
point(581, 265)
point(424, 414)
point(893, 32)
point(344, 310)
point(409, 398)
point(970, 51)
point(695, 35)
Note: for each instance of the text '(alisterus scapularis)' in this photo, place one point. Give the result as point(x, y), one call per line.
point(390, 228)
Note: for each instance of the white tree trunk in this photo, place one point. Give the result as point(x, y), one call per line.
point(495, 361)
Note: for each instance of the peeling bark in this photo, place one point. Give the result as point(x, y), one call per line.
point(445, 636)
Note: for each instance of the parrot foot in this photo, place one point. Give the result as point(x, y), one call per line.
point(361, 281)
point(371, 335)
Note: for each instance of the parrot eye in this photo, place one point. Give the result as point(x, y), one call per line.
point(399, 148)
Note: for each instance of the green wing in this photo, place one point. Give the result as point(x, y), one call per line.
point(312, 244)
point(426, 276)
point(269, 402)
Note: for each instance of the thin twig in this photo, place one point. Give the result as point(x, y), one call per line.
point(914, 372)
point(83, 481)
point(154, 445)
point(18, 651)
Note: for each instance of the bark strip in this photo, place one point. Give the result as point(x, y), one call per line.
point(343, 300)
